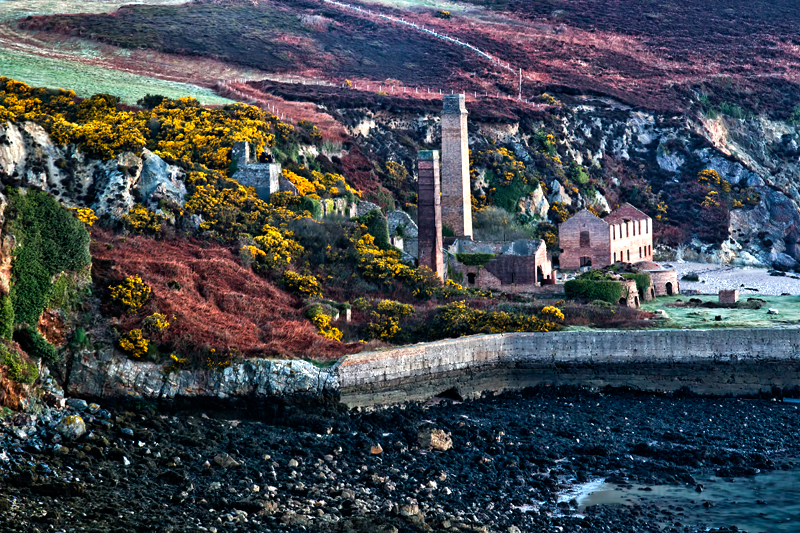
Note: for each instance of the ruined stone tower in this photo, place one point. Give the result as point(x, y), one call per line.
point(429, 214)
point(456, 196)
point(265, 177)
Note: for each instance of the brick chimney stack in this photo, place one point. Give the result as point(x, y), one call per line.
point(429, 212)
point(456, 191)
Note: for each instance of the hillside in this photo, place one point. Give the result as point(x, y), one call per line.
point(639, 102)
point(126, 235)
point(609, 114)
point(657, 57)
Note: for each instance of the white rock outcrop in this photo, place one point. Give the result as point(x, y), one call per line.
point(29, 158)
point(535, 204)
point(108, 375)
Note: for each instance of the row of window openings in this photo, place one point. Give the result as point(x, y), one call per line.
point(647, 251)
point(636, 223)
point(585, 242)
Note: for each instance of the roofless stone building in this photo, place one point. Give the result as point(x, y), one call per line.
point(586, 240)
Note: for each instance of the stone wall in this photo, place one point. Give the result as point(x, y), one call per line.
point(719, 361)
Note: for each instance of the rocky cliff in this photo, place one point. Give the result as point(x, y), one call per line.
point(29, 158)
point(106, 374)
point(627, 154)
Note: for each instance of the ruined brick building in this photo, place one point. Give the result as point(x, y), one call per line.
point(586, 240)
point(510, 266)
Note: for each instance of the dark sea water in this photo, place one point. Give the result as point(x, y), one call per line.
point(766, 503)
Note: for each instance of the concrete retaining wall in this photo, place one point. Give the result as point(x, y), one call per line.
point(719, 361)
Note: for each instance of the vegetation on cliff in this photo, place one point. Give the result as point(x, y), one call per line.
point(204, 284)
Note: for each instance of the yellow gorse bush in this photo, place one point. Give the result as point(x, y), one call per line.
point(278, 248)
point(85, 215)
point(559, 212)
point(305, 286)
point(457, 319)
point(322, 321)
point(229, 212)
point(709, 177)
point(711, 199)
point(320, 184)
point(156, 322)
point(132, 293)
point(385, 319)
point(552, 313)
point(134, 343)
point(141, 220)
point(180, 130)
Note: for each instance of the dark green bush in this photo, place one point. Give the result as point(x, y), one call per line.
point(643, 281)
point(150, 101)
point(608, 291)
point(312, 205)
point(51, 240)
point(6, 318)
point(36, 346)
point(377, 227)
point(478, 260)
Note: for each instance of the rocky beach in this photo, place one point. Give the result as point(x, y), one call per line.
point(508, 463)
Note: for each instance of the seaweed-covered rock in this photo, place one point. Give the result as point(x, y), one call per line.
point(72, 427)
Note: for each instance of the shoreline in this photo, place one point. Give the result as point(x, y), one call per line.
point(505, 462)
point(713, 361)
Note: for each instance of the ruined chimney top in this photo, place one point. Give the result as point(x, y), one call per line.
point(454, 103)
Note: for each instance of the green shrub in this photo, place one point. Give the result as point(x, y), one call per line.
point(6, 318)
point(51, 240)
point(643, 281)
point(378, 227)
point(608, 291)
point(478, 260)
point(312, 205)
point(36, 346)
point(507, 196)
point(17, 369)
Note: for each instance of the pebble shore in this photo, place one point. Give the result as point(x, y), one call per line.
point(496, 464)
point(749, 281)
